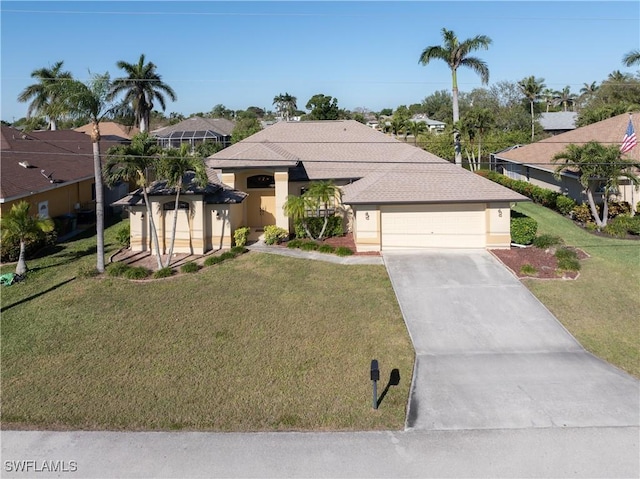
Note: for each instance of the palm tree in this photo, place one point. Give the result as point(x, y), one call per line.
point(132, 163)
point(296, 207)
point(455, 54)
point(631, 58)
point(285, 105)
point(532, 87)
point(548, 96)
point(44, 99)
point(564, 97)
point(92, 100)
point(19, 225)
point(416, 127)
point(175, 164)
point(321, 193)
point(475, 124)
point(141, 86)
point(599, 166)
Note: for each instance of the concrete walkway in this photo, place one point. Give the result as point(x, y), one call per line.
point(261, 247)
point(500, 390)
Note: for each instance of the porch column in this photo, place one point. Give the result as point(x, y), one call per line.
point(282, 191)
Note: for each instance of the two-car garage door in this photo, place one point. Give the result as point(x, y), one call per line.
point(433, 226)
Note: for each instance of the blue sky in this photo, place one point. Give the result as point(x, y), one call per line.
point(365, 54)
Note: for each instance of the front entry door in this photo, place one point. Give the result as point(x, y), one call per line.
point(261, 209)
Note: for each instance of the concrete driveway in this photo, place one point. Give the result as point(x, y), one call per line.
point(491, 356)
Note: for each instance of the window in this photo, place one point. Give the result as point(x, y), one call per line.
point(169, 205)
point(261, 181)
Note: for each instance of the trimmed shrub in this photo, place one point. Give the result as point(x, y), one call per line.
point(227, 255)
point(523, 229)
point(240, 236)
point(564, 204)
point(274, 234)
point(295, 243)
point(343, 251)
point(617, 208)
point(136, 272)
point(163, 273)
point(189, 267)
point(546, 241)
point(581, 213)
point(634, 225)
point(326, 248)
point(334, 227)
point(211, 260)
point(619, 226)
point(117, 269)
point(123, 235)
point(309, 246)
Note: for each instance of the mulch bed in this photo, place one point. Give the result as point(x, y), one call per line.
point(346, 241)
point(544, 262)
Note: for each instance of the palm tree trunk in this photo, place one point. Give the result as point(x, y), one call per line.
point(592, 206)
point(97, 172)
point(175, 225)
point(21, 267)
point(456, 117)
point(152, 225)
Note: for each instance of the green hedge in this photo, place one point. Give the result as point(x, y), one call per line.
point(334, 227)
point(523, 228)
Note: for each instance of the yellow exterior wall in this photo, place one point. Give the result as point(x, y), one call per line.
point(61, 200)
point(282, 191)
point(218, 226)
point(366, 234)
point(498, 225)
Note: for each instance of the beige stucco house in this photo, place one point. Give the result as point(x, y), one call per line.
point(394, 195)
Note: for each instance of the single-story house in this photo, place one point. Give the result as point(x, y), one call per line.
point(556, 122)
point(196, 130)
point(434, 126)
point(52, 170)
point(203, 222)
point(533, 162)
point(111, 131)
point(394, 195)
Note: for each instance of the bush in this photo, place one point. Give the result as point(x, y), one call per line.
point(163, 273)
point(136, 272)
point(211, 260)
point(189, 267)
point(227, 255)
point(581, 213)
point(567, 259)
point(528, 270)
point(240, 236)
point(546, 241)
point(334, 227)
point(87, 272)
point(123, 235)
point(309, 246)
point(564, 204)
point(617, 208)
point(117, 269)
point(620, 226)
point(295, 243)
point(634, 225)
point(238, 250)
point(343, 251)
point(523, 229)
point(10, 250)
point(326, 248)
point(274, 234)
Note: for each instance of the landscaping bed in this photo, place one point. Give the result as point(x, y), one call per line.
point(540, 263)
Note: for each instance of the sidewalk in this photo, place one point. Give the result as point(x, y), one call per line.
point(261, 247)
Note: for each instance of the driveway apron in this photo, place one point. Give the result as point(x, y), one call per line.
point(489, 355)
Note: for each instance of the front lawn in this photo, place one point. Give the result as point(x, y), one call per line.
point(257, 343)
point(600, 308)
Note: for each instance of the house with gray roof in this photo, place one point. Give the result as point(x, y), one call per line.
point(557, 122)
point(196, 130)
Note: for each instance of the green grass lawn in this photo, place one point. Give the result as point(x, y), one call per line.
point(601, 308)
point(257, 343)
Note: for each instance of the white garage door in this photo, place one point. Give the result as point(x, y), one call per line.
point(433, 226)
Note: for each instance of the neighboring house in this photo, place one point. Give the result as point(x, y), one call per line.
point(394, 195)
point(533, 163)
point(52, 170)
point(196, 130)
point(203, 216)
point(558, 122)
point(434, 126)
point(111, 131)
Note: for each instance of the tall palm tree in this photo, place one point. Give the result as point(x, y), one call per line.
point(296, 207)
point(174, 165)
point(132, 162)
point(456, 54)
point(476, 122)
point(599, 166)
point(532, 87)
point(416, 127)
point(141, 87)
point(91, 100)
point(565, 98)
point(631, 58)
point(285, 105)
point(548, 96)
point(19, 225)
point(44, 99)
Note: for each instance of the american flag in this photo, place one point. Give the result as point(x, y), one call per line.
point(629, 140)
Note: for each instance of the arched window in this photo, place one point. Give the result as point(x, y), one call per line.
point(261, 181)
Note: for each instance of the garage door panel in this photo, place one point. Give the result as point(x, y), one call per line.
point(451, 226)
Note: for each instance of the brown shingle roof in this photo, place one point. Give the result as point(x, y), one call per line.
point(111, 131)
point(608, 132)
point(64, 154)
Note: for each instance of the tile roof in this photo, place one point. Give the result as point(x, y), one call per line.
point(608, 132)
point(220, 126)
point(387, 170)
point(65, 155)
